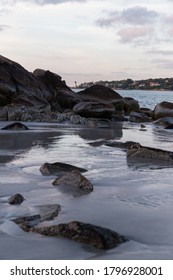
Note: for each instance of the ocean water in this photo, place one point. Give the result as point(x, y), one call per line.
point(134, 199)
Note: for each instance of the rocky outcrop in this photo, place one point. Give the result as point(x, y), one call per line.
point(75, 179)
point(96, 236)
point(163, 109)
point(27, 222)
point(16, 199)
point(99, 93)
point(138, 117)
point(15, 126)
point(130, 104)
point(58, 168)
point(138, 151)
point(94, 109)
point(15, 80)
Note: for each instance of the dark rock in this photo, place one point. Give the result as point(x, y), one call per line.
point(38, 103)
point(15, 126)
point(27, 222)
point(49, 212)
point(96, 236)
point(50, 79)
point(102, 94)
point(75, 179)
point(130, 104)
point(146, 111)
point(58, 168)
point(164, 121)
point(138, 151)
point(99, 93)
point(16, 199)
point(15, 80)
point(94, 109)
point(163, 109)
point(138, 117)
point(170, 126)
point(122, 145)
point(64, 99)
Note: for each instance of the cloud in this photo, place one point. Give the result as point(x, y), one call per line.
point(3, 27)
point(160, 52)
point(43, 2)
point(135, 16)
point(131, 33)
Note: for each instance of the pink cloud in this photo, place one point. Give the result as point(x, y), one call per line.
point(131, 33)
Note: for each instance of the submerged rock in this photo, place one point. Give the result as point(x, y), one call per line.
point(27, 222)
point(138, 151)
point(58, 168)
point(96, 236)
point(139, 117)
point(16, 199)
point(49, 212)
point(74, 179)
point(122, 145)
point(15, 126)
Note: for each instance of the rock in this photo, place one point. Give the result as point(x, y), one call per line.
point(169, 126)
point(94, 109)
point(96, 236)
point(15, 126)
point(138, 151)
point(64, 99)
point(130, 104)
point(146, 111)
point(27, 222)
point(99, 93)
point(75, 179)
point(138, 117)
point(58, 168)
point(50, 79)
point(163, 109)
point(16, 80)
point(16, 199)
point(164, 121)
point(48, 212)
point(37, 103)
point(122, 145)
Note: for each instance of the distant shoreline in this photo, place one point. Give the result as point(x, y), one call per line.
point(129, 84)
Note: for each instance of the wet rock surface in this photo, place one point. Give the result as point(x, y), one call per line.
point(15, 126)
point(96, 236)
point(16, 199)
point(58, 168)
point(138, 151)
point(75, 179)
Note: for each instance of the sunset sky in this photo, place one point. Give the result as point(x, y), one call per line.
point(90, 40)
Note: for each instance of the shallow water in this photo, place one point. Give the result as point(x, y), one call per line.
point(134, 199)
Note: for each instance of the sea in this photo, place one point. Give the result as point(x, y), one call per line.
point(134, 199)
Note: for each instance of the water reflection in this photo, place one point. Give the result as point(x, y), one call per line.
point(107, 133)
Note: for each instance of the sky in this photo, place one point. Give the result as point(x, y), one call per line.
point(90, 40)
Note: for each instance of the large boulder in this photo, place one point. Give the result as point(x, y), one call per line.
point(99, 93)
point(74, 179)
point(138, 117)
point(96, 236)
point(15, 80)
point(50, 79)
point(163, 109)
point(139, 152)
point(58, 168)
point(94, 109)
point(64, 98)
point(130, 104)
